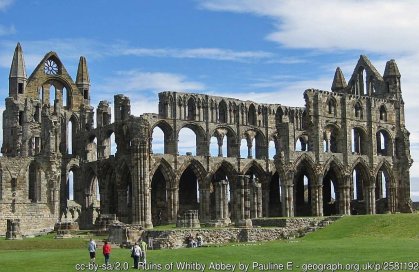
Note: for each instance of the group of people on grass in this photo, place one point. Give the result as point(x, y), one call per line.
point(194, 242)
point(138, 252)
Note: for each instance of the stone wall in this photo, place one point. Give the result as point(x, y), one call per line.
point(286, 229)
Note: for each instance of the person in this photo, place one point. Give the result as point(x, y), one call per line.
point(198, 240)
point(92, 250)
point(106, 252)
point(191, 241)
point(143, 246)
point(136, 253)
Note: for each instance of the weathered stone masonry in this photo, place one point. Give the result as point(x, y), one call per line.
point(346, 151)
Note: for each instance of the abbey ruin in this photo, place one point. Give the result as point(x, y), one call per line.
point(345, 152)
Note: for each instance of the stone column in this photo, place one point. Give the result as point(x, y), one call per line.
point(370, 198)
point(225, 201)
point(345, 200)
point(204, 205)
point(218, 198)
point(317, 199)
point(287, 200)
point(173, 204)
point(220, 145)
point(242, 193)
point(328, 134)
point(249, 148)
point(265, 201)
point(392, 199)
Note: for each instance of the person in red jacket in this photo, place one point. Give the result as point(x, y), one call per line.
point(106, 252)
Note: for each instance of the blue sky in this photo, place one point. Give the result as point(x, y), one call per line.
point(262, 50)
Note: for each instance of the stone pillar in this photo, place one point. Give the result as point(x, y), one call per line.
point(265, 201)
point(218, 201)
point(13, 229)
point(328, 134)
point(370, 198)
point(345, 200)
point(220, 145)
point(204, 205)
point(242, 193)
point(173, 204)
point(392, 199)
point(249, 148)
point(287, 200)
point(225, 201)
point(317, 199)
point(256, 199)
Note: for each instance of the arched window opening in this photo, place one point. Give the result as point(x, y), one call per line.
point(358, 185)
point(359, 142)
point(243, 148)
point(113, 144)
point(271, 149)
point(158, 198)
point(383, 113)
point(358, 111)
point(383, 143)
point(302, 185)
point(213, 146)
point(41, 94)
point(330, 143)
point(52, 95)
point(222, 112)
point(381, 185)
point(97, 190)
point(191, 109)
point(306, 196)
point(251, 116)
point(364, 80)
point(187, 142)
point(188, 191)
point(65, 97)
point(247, 151)
point(35, 179)
point(158, 141)
point(302, 143)
point(70, 137)
point(70, 185)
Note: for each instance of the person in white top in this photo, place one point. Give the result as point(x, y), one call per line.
point(92, 250)
point(136, 253)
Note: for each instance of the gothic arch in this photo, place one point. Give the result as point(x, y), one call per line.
point(168, 134)
point(304, 177)
point(222, 112)
point(253, 165)
point(196, 167)
point(166, 170)
point(252, 115)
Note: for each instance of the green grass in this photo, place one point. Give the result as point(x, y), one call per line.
point(350, 240)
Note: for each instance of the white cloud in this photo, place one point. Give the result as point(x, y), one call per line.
point(5, 3)
point(134, 80)
point(378, 26)
point(201, 53)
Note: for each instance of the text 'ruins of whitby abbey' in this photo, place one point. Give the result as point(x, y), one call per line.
point(344, 152)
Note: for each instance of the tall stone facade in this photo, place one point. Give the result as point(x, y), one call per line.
point(345, 152)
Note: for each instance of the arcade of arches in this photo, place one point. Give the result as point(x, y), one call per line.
point(345, 152)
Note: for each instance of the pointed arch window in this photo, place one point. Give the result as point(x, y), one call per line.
point(191, 109)
point(358, 110)
point(222, 109)
point(251, 116)
point(383, 113)
point(331, 106)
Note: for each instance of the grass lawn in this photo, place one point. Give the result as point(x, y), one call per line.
point(355, 240)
